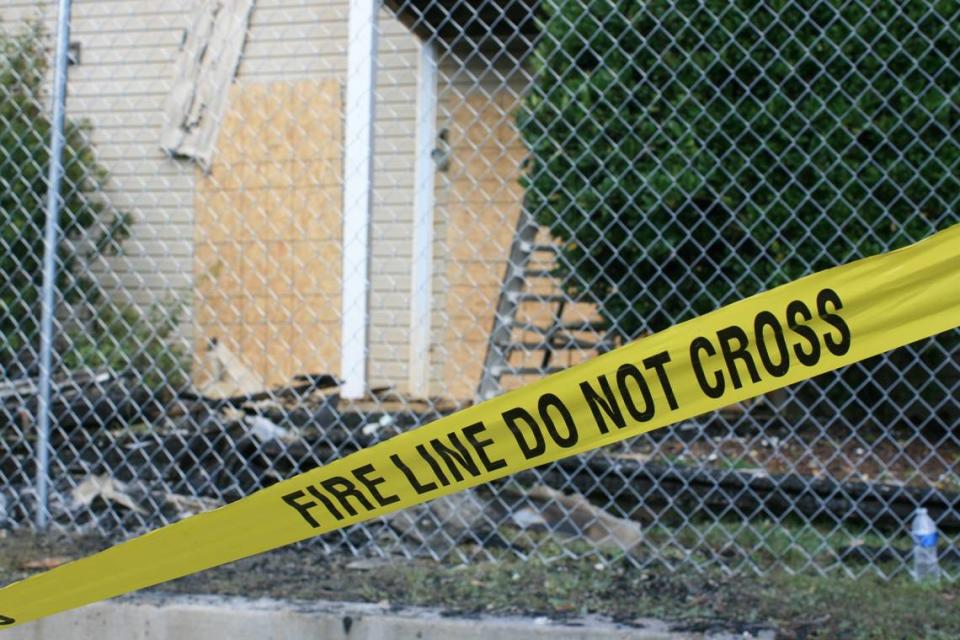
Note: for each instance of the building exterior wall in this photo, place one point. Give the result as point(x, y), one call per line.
point(393, 200)
point(479, 202)
point(180, 215)
point(298, 41)
point(127, 53)
point(128, 50)
point(477, 210)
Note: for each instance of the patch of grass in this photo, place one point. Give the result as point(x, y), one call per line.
point(765, 544)
point(797, 606)
point(667, 586)
point(866, 607)
point(677, 460)
point(736, 464)
point(952, 481)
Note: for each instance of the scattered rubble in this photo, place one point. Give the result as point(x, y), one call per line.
point(479, 516)
point(573, 516)
point(129, 469)
point(460, 518)
point(44, 564)
point(229, 376)
point(89, 399)
point(106, 489)
point(265, 430)
point(187, 506)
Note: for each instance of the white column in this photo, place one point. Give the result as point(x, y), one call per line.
point(357, 187)
point(422, 271)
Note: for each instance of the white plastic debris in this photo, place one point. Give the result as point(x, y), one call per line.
point(104, 487)
point(265, 430)
point(527, 518)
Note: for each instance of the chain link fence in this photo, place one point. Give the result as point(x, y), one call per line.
point(293, 229)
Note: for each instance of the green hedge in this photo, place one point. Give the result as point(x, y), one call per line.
point(691, 153)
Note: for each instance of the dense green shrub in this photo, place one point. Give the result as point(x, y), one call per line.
point(120, 338)
point(693, 152)
point(25, 124)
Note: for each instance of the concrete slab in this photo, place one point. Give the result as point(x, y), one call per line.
point(157, 617)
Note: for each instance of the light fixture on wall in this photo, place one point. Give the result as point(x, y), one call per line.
point(441, 153)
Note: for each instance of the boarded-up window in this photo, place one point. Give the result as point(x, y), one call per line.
point(268, 232)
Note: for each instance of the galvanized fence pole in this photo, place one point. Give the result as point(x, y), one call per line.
point(47, 309)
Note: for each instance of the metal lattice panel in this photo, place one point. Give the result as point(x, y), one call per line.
point(519, 179)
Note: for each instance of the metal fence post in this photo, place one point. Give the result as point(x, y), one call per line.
point(55, 172)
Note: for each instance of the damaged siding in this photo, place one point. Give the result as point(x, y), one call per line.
point(296, 40)
point(393, 194)
point(479, 203)
point(205, 69)
point(268, 234)
point(476, 218)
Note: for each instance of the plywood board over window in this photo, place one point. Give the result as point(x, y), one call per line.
point(268, 233)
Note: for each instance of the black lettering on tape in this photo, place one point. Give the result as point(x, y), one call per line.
point(837, 347)
point(731, 354)
point(656, 363)
point(797, 314)
point(343, 489)
point(316, 493)
point(603, 405)
point(362, 474)
point(437, 471)
point(455, 458)
point(512, 418)
point(763, 320)
point(303, 508)
point(4, 620)
point(701, 345)
point(471, 432)
point(547, 401)
point(625, 373)
point(420, 487)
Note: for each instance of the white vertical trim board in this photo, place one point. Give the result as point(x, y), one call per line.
point(422, 272)
point(357, 191)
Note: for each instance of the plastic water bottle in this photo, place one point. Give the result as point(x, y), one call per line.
point(925, 565)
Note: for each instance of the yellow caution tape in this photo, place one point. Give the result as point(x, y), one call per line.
point(791, 333)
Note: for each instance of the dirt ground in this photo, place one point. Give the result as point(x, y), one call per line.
point(797, 607)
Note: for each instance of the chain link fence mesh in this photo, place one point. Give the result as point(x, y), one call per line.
point(548, 180)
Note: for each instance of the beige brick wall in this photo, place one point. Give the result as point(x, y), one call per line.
point(478, 205)
point(128, 49)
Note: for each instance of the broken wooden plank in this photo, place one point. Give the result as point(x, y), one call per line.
point(89, 399)
point(638, 484)
point(206, 66)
